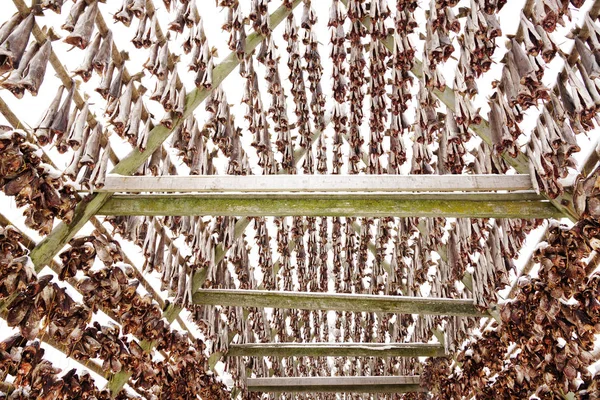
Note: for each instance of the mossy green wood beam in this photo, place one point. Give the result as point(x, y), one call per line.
point(520, 163)
point(336, 350)
point(336, 384)
point(367, 206)
point(60, 235)
point(338, 302)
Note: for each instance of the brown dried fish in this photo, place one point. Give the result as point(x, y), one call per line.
point(12, 49)
point(36, 69)
point(86, 22)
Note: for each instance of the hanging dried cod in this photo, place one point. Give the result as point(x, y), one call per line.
point(84, 26)
point(13, 47)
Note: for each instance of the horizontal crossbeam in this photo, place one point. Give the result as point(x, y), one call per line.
point(336, 350)
point(356, 204)
point(337, 384)
point(316, 183)
point(337, 301)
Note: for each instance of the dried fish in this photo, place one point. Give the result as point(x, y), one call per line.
point(103, 57)
point(74, 13)
point(13, 47)
point(82, 32)
point(76, 136)
point(85, 69)
point(42, 132)
point(60, 121)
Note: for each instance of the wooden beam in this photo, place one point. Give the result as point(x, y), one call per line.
point(475, 205)
point(338, 302)
point(317, 183)
point(337, 384)
point(336, 350)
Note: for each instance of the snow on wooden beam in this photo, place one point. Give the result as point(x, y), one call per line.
point(475, 205)
point(337, 302)
point(317, 183)
point(337, 384)
point(336, 350)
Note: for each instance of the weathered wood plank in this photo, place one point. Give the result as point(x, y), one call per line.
point(337, 301)
point(337, 384)
point(336, 350)
point(317, 183)
point(475, 205)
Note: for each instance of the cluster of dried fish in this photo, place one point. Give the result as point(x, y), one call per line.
point(440, 22)
point(357, 79)
point(110, 287)
point(70, 129)
point(35, 377)
point(496, 259)
point(97, 57)
point(29, 66)
point(193, 148)
point(160, 253)
point(550, 147)
point(298, 88)
point(521, 78)
point(340, 84)
point(33, 183)
point(11, 249)
point(37, 300)
point(478, 40)
point(536, 321)
point(234, 24)
point(536, 39)
point(81, 22)
point(14, 35)
point(378, 54)
point(549, 13)
point(267, 55)
point(130, 9)
point(257, 120)
point(314, 70)
point(402, 63)
point(582, 101)
point(220, 125)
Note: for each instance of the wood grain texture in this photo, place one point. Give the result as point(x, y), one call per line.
point(336, 350)
point(317, 183)
point(338, 384)
point(337, 301)
point(475, 205)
